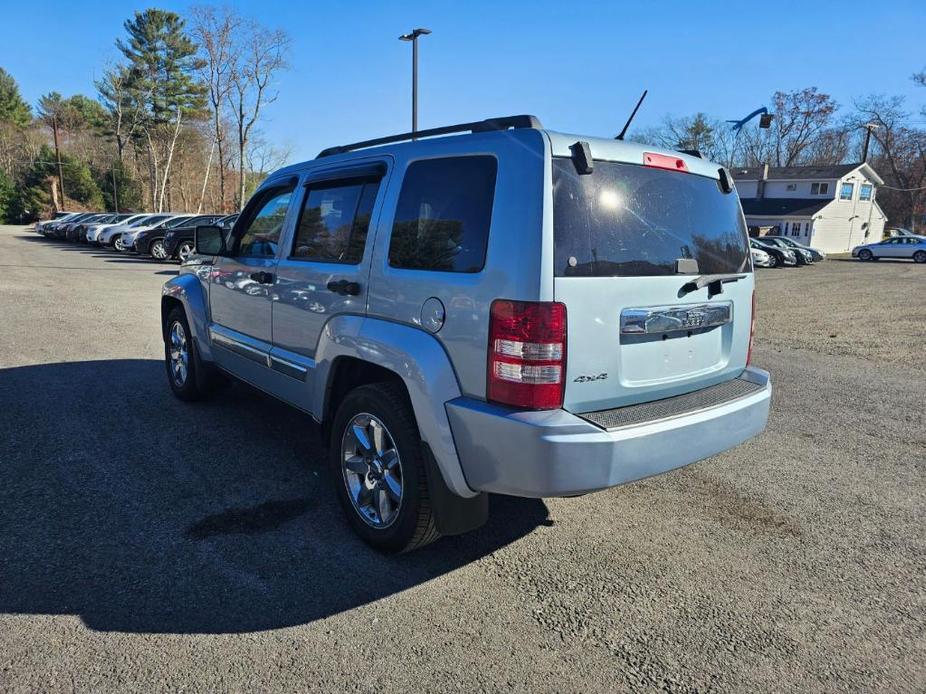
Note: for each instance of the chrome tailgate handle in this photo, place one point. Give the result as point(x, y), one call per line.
point(667, 319)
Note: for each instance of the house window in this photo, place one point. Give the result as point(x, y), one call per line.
point(787, 224)
point(845, 192)
point(819, 188)
point(791, 187)
point(864, 192)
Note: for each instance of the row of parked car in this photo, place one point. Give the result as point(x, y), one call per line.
point(781, 251)
point(163, 236)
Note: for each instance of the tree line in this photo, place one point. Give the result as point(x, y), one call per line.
point(810, 128)
point(175, 124)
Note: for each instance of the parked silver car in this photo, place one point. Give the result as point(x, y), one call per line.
point(913, 247)
point(94, 235)
point(513, 310)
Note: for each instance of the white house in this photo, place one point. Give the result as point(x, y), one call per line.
point(832, 208)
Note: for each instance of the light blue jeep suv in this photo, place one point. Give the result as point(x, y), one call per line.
point(487, 307)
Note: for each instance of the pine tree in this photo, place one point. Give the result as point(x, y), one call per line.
point(13, 110)
point(161, 76)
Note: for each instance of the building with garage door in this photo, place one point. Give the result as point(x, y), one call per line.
point(832, 208)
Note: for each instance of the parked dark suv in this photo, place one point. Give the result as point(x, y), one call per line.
point(178, 242)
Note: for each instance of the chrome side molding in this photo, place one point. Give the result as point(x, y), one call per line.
point(287, 363)
point(658, 320)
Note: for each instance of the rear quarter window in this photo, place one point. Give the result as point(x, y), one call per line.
point(443, 214)
point(633, 221)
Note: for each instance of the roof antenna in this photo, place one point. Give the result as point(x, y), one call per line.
point(630, 120)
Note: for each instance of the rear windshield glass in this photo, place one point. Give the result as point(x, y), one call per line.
point(634, 221)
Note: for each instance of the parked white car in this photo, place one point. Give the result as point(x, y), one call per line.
point(93, 235)
point(760, 258)
point(113, 236)
point(127, 239)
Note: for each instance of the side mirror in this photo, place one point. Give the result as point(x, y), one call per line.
point(209, 240)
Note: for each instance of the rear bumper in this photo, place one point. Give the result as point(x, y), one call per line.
point(557, 453)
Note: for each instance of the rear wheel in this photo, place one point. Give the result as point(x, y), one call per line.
point(378, 469)
point(919, 257)
point(157, 250)
point(865, 255)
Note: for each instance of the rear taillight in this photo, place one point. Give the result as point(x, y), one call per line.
point(527, 354)
point(664, 161)
point(752, 329)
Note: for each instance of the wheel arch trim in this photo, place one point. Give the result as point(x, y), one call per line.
point(188, 291)
point(421, 363)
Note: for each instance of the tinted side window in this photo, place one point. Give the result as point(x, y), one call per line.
point(443, 215)
point(334, 221)
point(261, 234)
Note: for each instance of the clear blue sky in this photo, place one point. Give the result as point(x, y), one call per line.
point(579, 66)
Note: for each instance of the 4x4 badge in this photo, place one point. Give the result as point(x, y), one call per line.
point(586, 379)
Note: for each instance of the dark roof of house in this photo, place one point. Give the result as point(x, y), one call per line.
point(778, 173)
point(783, 207)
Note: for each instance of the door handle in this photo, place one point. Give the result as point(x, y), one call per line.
point(344, 287)
point(262, 277)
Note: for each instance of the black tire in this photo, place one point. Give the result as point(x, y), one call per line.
point(865, 255)
point(190, 387)
point(919, 257)
point(413, 526)
point(153, 246)
point(772, 261)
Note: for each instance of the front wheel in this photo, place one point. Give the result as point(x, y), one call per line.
point(180, 358)
point(117, 244)
point(157, 250)
point(919, 257)
point(185, 251)
point(865, 255)
point(772, 261)
point(378, 469)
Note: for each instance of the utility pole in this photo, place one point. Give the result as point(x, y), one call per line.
point(413, 37)
point(115, 192)
point(868, 128)
point(54, 130)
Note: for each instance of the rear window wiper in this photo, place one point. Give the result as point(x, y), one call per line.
point(714, 284)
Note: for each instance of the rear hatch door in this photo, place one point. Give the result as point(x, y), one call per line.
point(630, 244)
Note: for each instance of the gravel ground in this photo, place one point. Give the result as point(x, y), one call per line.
point(150, 545)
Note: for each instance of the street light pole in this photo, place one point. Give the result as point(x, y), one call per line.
point(765, 121)
point(413, 37)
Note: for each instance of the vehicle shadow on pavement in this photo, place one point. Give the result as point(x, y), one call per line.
point(140, 513)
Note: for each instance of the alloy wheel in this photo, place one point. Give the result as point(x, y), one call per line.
point(372, 470)
point(185, 251)
point(179, 353)
point(157, 250)
point(118, 245)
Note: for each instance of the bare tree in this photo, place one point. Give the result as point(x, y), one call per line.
point(263, 54)
point(700, 132)
point(900, 157)
point(800, 118)
point(217, 32)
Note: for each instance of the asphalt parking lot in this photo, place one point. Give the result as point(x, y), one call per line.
point(147, 544)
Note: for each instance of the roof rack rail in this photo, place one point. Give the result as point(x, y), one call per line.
point(503, 123)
